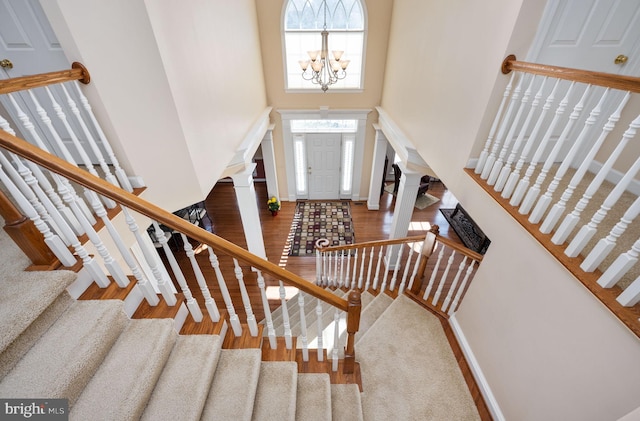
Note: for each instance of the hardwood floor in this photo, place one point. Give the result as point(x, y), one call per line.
point(368, 225)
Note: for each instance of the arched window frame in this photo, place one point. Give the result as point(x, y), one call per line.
point(292, 54)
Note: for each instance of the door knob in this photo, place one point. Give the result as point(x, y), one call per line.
point(309, 170)
point(621, 59)
point(6, 63)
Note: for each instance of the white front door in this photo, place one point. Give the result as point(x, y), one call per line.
point(323, 160)
point(589, 35)
point(29, 43)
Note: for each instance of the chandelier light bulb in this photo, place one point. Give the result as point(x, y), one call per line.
point(337, 54)
point(304, 64)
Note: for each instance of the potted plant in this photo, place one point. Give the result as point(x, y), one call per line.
point(274, 205)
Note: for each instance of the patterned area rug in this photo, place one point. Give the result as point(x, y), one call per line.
point(315, 220)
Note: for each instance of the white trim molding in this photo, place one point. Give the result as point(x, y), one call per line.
point(483, 385)
point(324, 113)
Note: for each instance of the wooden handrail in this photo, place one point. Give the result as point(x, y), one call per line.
point(373, 243)
point(77, 72)
point(609, 80)
point(131, 201)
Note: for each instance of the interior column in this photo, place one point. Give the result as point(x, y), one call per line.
point(269, 159)
point(246, 197)
point(377, 169)
point(403, 210)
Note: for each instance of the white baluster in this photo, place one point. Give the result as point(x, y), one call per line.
point(523, 186)
point(192, 305)
point(406, 270)
point(65, 154)
point(102, 214)
point(620, 266)
point(288, 340)
point(28, 193)
point(545, 200)
point(454, 284)
point(377, 276)
point(631, 295)
point(110, 264)
point(54, 242)
point(571, 220)
point(325, 277)
point(498, 165)
point(443, 279)
point(392, 286)
point(319, 326)
point(534, 191)
point(506, 169)
point(346, 279)
point(485, 152)
point(150, 258)
point(233, 316)
point(319, 267)
point(336, 282)
point(145, 286)
point(587, 231)
point(605, 245)
point(341, 280)
point(463, 285)
point(23, 170)
point(271, 333)
point(506, 121)
point(209, 302)
point(120, 173)
point(90, 139)
point(303, 328)
point(336, 339)
point(251, 318)
point(362, 261)
point(368, 282)
point(355, 267)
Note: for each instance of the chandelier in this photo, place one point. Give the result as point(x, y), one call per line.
point(323, 70)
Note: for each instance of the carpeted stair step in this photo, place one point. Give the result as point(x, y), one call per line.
point(276, 393)
point(183, 386)
point(431, 375)
point(124, 382)
point(372, 312)
point(312, 317)
point(25, 340)
point(65, 358)
point(346, 404)
point(313, 401)
point(26, 295)
point(233, 389)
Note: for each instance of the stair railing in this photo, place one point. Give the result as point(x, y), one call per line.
point(439, 282)
point(130, 202)
point(534, 164)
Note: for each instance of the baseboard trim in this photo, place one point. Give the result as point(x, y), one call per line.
point(481, 381)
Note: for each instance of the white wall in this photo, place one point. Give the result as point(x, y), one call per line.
point(547, 348)
point(177, 84)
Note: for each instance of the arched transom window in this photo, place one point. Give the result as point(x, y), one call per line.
point(303, 22)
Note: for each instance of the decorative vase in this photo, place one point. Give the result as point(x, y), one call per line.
point(274, 212)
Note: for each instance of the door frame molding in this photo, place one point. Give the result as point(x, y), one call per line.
point(323, 113)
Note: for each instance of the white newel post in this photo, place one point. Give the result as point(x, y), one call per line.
point(269, 160)
point(377, 169)
point(246, 197)
point(405, 201)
